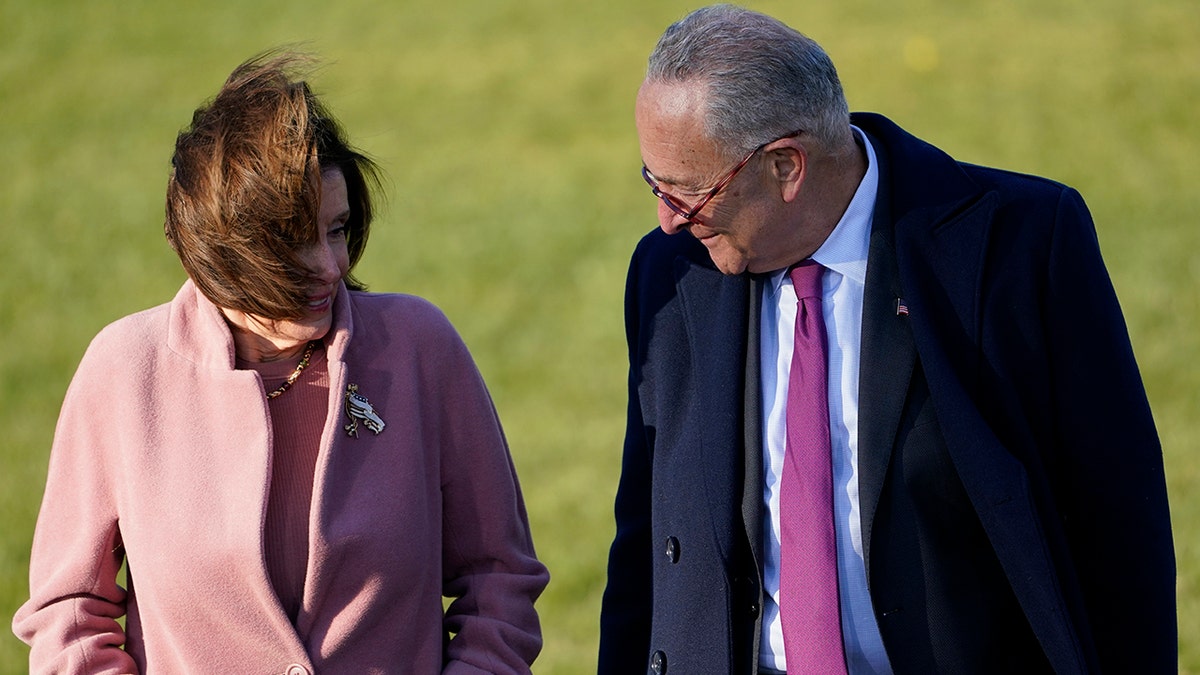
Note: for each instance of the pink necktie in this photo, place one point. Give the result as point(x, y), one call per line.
point(808, 577)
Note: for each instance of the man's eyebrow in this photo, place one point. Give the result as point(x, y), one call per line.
point(673, 182)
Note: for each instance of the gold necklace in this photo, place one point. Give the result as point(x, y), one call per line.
point(287, 384)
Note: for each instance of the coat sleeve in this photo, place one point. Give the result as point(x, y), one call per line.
point(1111, 488)
point(71, 618)
point(489, 566)
point(625, 618)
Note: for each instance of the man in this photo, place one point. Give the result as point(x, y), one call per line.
point(992, 496)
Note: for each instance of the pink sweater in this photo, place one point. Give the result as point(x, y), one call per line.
point(297, 420)
point(162, 458)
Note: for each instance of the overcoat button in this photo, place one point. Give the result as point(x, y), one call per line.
point(297, 669)
point(673, 549)
point(658, 663)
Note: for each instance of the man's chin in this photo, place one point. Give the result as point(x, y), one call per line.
point(729, 267)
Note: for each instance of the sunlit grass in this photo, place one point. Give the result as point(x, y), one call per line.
point(505, 128)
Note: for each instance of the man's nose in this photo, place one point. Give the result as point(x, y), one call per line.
point(669, 221)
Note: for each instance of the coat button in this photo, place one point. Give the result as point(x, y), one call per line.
point(658, 663)
point(673, 549)
point(297, 669)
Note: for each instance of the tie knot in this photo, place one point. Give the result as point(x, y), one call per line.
point(806, 277)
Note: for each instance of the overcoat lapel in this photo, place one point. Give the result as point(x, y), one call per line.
point(710, 300)
point(928, 245)
point(940, 259)
point(886, 346)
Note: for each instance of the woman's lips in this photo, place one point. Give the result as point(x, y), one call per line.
point(319, 303)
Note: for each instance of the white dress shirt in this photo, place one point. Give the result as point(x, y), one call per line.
point(844, 254)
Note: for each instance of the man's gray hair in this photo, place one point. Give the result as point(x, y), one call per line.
point(762, 78)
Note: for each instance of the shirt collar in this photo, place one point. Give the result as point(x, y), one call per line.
point(845, 249)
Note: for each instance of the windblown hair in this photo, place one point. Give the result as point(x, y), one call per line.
point(244, 194)
point(763, 79)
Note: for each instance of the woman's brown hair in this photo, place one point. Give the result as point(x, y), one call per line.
point(245, 188)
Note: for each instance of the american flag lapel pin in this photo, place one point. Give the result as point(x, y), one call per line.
point(901, 308)
point(359, 409)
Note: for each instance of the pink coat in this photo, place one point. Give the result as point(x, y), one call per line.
point(162, 458)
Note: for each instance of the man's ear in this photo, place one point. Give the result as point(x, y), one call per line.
point(789, 166)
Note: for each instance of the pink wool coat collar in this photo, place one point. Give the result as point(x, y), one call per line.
point(163, 454)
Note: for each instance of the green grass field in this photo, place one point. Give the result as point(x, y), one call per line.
point(505, 128)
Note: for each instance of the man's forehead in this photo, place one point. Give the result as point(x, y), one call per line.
point(672, 99)
point(674, 143)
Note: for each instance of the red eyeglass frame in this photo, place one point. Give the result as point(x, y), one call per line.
point(689, 213)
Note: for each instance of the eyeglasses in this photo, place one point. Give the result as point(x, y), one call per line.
point(689, 213)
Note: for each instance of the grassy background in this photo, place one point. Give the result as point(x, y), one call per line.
point(505, 127)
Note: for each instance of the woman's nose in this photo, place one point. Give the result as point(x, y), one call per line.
point(322, 263)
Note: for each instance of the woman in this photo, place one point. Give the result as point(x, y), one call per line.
point(295, 471)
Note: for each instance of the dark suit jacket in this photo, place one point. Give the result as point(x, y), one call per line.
point(1013, 502)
